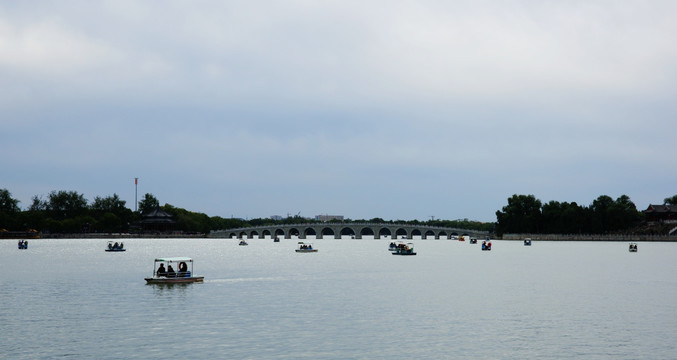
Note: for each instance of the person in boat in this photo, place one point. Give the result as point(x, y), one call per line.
point(161, 271)
point(115, 246)
point(171, 272)
point(183, 269)
point(110, 246)
point(121, 245)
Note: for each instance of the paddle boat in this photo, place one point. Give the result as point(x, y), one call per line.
point(162, 275)
point(23, 244)
point(404, 249)
point(473, 240)
point(461, 238)
point(243, 243)
point(527, 242)
point(277, 239)
point(486, 245)
point(632, 247)
point(115, 247)
point(305, 247)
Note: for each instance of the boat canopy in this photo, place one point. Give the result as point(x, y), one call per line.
point(174, 259)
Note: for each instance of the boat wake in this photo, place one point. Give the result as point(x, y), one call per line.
point(234, 280)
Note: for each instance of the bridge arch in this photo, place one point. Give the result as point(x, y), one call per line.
point(347, 231)
point(309, 231)
point(327, 231)
point(384, 231)
point(366, 231)
point(429, 233)
point(416, 232)
point(401, 232)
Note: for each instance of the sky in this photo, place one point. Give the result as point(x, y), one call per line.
point(400, 110)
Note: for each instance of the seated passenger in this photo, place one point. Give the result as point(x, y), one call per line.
point(170, 271)
point(161, 270)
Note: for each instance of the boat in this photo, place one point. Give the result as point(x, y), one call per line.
point(473, 240)
point(23, 244)
point(392, 246)
point(169, 276)
point(461, 238)
point(305, 247)
point(404, 249)
point(115, 247)
point(632, 247)
point(277, 239)
point(486, 245)
point(243, 243)
point(527, 242)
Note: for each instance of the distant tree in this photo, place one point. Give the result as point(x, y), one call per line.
point(600, 214)
point(521, 215)
point(109, 204)
point(66, 204)
point(7, 203)
point(37, 204)
point(148, 203)
point(623, 214)
point(671, 200)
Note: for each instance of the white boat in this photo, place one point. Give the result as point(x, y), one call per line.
point(305, 247)
point(404, 249)
point(162, 275)
point(115, 247)
point(632, 247)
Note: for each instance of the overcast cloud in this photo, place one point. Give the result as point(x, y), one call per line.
point(399, 110)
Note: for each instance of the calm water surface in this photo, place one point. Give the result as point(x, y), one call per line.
point(351, 300)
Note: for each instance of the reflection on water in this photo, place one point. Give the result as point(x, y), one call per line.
point(70, 299)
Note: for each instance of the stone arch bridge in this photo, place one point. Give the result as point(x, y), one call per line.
point(352, 230)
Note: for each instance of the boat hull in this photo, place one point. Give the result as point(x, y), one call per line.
point(306, 251)
point(404, 253)
point(116, 250)
point(178, 280)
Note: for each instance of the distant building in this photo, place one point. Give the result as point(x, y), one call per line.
point(326, 218)
point(157, 220)
point(662, 213)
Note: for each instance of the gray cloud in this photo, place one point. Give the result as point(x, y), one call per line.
point(398, 110)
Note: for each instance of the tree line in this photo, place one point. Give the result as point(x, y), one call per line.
point(70, 212)
point(526, 214)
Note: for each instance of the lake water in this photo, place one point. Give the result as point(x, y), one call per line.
point(352, 300)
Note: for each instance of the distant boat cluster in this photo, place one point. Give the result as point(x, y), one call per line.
point(184, 274)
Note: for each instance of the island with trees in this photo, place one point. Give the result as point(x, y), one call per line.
point(69, 212)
